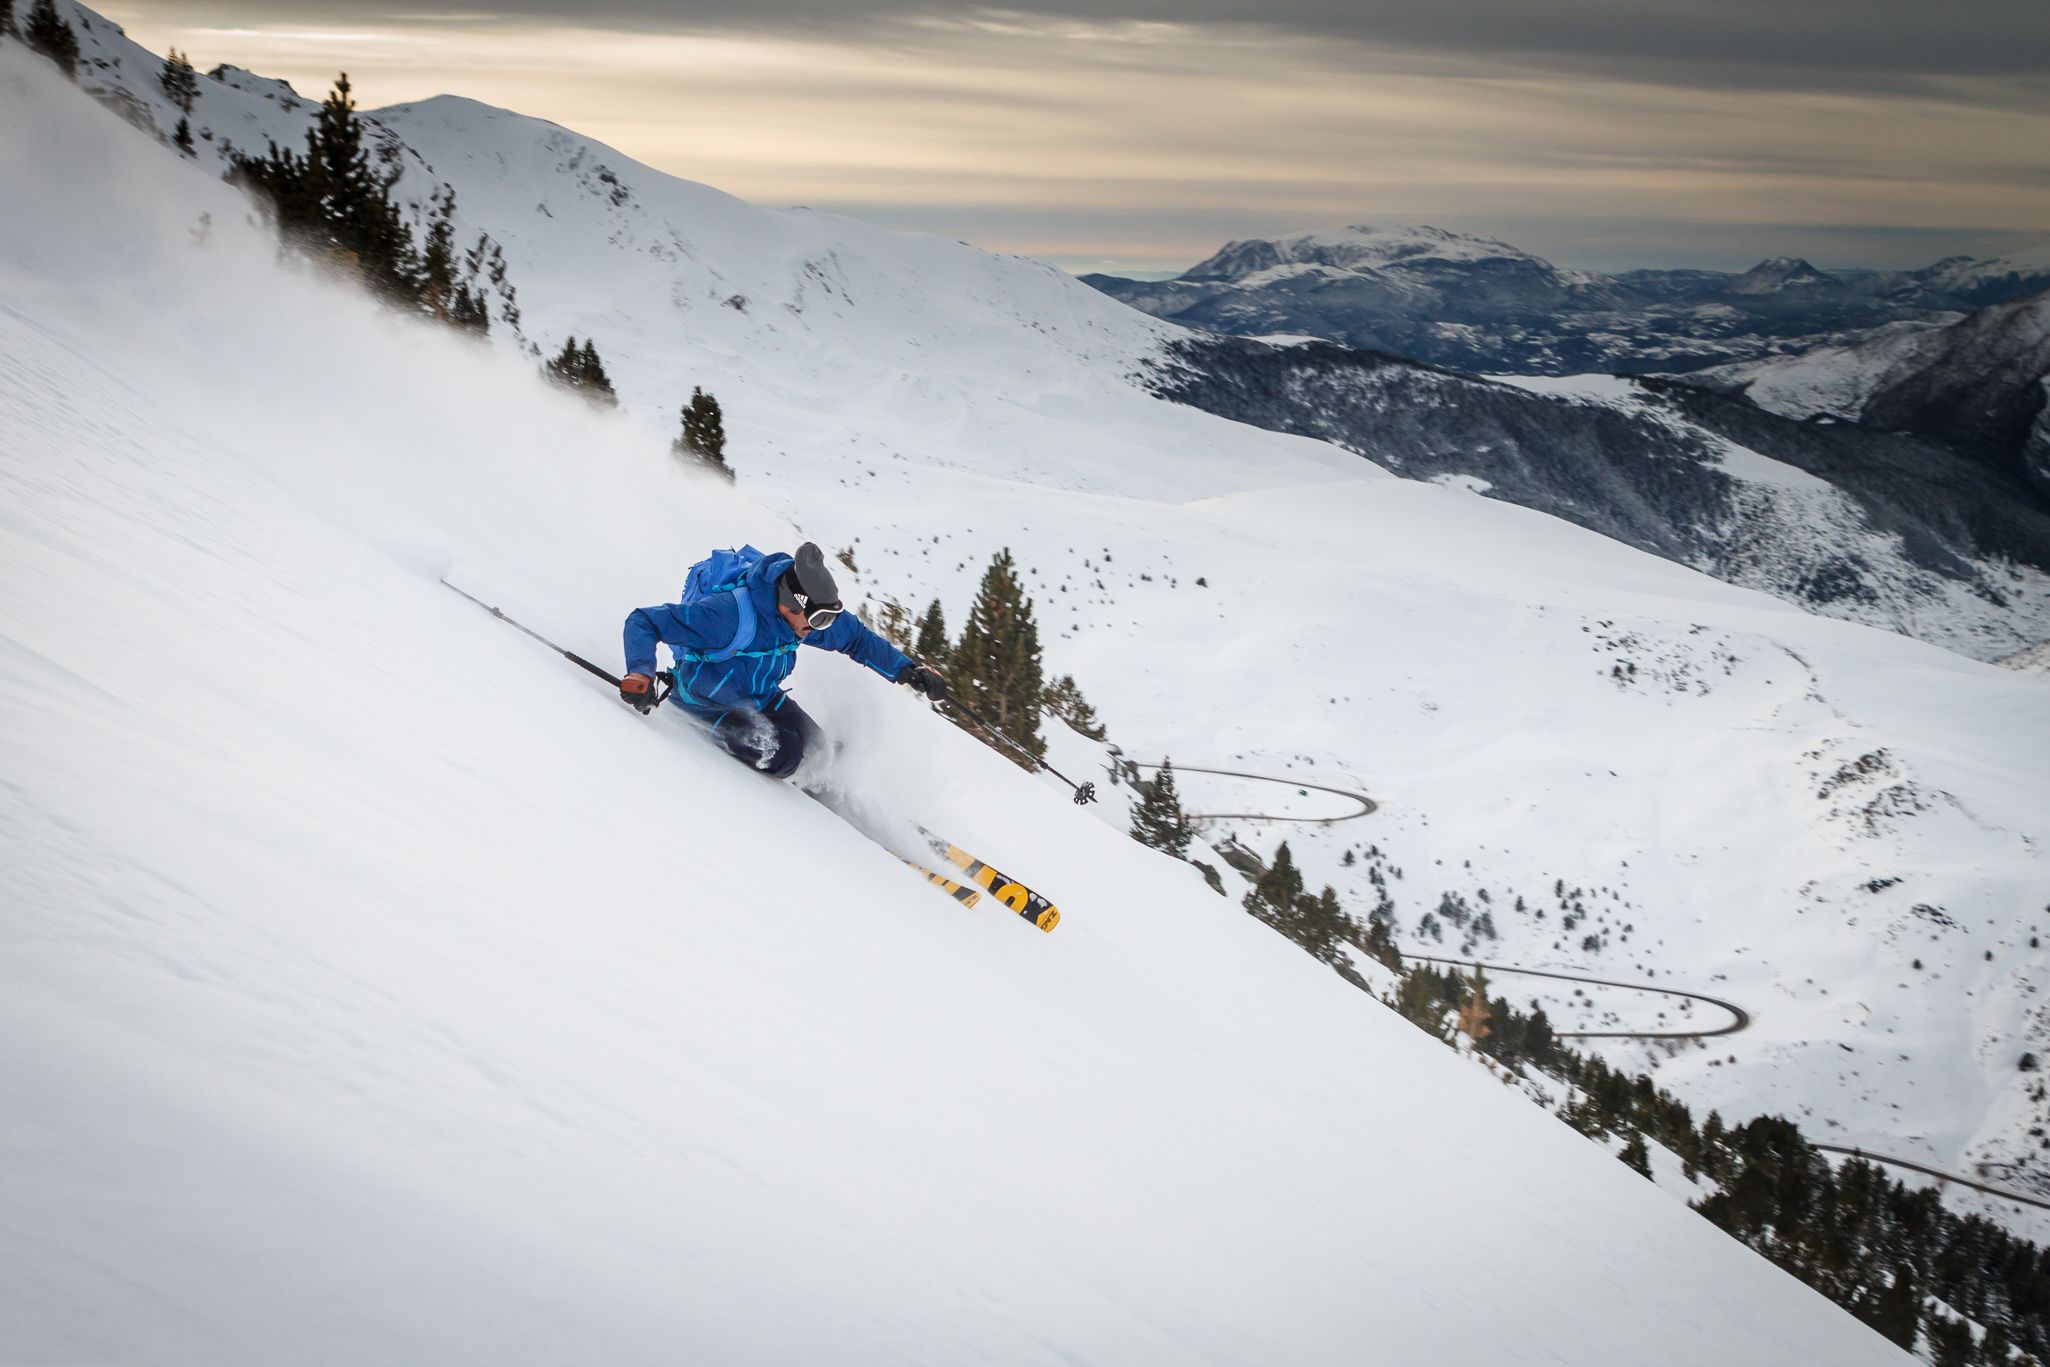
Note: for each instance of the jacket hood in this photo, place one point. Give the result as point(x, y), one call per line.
point(761, 585)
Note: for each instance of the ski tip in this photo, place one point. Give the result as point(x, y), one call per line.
point(1048, 919)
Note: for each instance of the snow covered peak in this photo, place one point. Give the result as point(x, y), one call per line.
point(1360, 247)
point(1992, 279)
point(1780, 273)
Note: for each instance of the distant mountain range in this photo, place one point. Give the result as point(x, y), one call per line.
point(1474, 303)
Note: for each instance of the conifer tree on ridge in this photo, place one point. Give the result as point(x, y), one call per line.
point(995, 667)
point(1158, 821)
point(50, 35)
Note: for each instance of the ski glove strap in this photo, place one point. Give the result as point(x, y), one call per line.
point(924, 681)
point(638, 692)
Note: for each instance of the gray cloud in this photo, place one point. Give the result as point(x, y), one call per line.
point(1866, 44)
point(1081, 139)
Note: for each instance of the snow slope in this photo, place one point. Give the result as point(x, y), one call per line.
point(375, 989)
point(1537, 707)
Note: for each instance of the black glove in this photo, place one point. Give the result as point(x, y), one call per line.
point(638, 692)
point(923, 681)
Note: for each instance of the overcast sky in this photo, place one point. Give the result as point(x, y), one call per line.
point(1137, 135)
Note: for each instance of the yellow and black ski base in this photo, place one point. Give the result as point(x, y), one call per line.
point(1012, 893)
point(967, 897)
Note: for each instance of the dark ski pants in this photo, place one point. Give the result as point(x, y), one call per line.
point(774, 741)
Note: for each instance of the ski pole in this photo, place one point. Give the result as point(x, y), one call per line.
point(570, 655)
point(1084, 792)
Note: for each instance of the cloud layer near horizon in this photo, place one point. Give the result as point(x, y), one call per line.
point(1626, 132)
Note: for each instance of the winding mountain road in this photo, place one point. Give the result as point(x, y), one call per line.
point(1740, 1019)
point(1367, 805)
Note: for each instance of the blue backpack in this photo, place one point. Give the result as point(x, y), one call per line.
point(724, 572)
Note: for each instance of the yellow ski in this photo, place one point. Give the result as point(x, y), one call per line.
point(1012, 893)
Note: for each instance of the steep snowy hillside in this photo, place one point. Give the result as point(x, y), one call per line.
point(1876, 528)
point(1786, 807)
point(378, 989)
point(1977, 385)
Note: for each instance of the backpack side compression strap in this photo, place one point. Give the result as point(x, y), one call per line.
point(743, 630)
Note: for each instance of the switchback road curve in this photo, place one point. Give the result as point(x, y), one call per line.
point(1367, 805)
point(1740, 1019)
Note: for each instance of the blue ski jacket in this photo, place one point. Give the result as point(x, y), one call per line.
point(751, 678)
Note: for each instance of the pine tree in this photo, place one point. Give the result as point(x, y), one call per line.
point(6, 18)
point(1158, 821)
point(438, 256)
point(182, 138)
point(1636, 1156)
point(469, 310)
point(1323, 927)
point(1950, 1342)
point(52, 37)
point(931, 647)
point(1276, 892)
point(331, 200)
point(996, 668)
point(597, 384)
point(1895, 1310)
point(1420, 1002)
point(484, 261)
point(567, 367)
point(180, 81)
point(1064, 699)
point(704, 432)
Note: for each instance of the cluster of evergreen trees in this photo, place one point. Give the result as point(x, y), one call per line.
point(1427, 995)
point(181, 88)
point(331, 202)
point(1893, 1256)
point(994, 668)
point(1318, 923)
point(577, 367)
point(46, 32)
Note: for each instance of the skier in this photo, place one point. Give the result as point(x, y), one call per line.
point(736, 643)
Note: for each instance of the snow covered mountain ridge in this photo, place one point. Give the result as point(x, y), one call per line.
point(1476, 303)
point(1356, 248)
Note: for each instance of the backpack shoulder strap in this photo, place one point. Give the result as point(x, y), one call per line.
point(743, 627)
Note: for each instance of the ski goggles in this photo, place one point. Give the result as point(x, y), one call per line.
point(819, 615)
